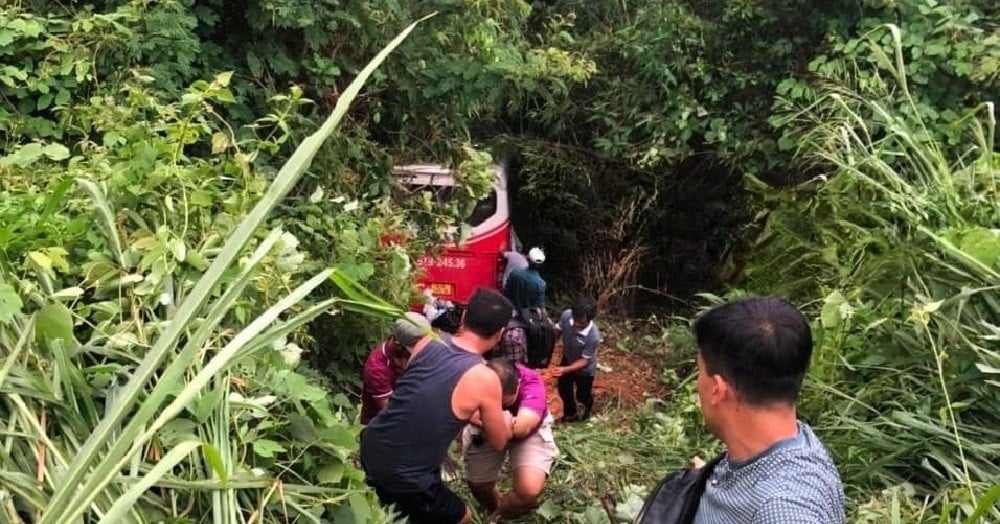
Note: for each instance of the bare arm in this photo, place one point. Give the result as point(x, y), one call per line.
point(496, 421)
point(478, 393)
point(557, 326)
point(525, 423)
point(577, 365)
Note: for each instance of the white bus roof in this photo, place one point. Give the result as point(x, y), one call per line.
point(437, 175)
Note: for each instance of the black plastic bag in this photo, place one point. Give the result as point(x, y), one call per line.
point(675, 499)
point(449, 320)
point(539, 334)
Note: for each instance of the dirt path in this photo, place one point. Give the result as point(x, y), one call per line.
point(632, 378)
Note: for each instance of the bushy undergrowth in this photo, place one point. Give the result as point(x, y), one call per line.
point(894, 255)
point(152, 314)
point(894, 251)
point(153, 310)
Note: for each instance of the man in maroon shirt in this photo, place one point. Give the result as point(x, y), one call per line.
point(387, 361)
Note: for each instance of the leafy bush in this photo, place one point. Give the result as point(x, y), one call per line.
point(896, 236)
point(163, 328)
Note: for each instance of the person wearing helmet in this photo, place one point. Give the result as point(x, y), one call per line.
point(388, 360)
point(525, 287)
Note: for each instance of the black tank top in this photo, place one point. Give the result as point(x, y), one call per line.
point(403, 446)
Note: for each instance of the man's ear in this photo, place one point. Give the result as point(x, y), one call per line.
point(721, 389)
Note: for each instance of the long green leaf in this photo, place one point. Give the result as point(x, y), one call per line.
point(267, 338)
point(367, 308)
point(173, 457)
point(175, 371)
point(986, 504)
point(969, 261)
point(108, 222)
point(218, 362)
point(359, 294)
point(224, 505)
point(22, 342)
point(25, 486)
point(73, 495)
point(31, 421)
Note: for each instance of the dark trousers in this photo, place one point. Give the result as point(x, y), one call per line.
point(584, 386)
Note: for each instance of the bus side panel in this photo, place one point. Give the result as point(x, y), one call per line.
point(460, 270)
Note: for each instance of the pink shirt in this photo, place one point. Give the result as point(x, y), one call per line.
point(532, 393)
point(378, 379)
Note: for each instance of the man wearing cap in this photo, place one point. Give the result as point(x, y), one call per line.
point(525, 287)
point(387, 361)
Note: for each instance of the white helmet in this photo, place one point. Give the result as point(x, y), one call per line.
point(536, 255)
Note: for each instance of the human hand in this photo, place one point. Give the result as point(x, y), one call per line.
point(697, 463)
point(508, 419)
point(558, 371)
point(475, 420)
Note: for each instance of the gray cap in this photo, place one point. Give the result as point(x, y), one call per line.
point(408, 334)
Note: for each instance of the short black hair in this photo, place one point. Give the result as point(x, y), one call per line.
point(584, 307)
point(487, 313)
point(509, 377)
point(760, 345)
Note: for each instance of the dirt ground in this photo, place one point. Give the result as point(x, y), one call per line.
point(632, 378)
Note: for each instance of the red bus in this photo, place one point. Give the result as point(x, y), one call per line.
point(476, 262)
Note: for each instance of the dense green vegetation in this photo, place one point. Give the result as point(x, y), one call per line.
point(171, 229)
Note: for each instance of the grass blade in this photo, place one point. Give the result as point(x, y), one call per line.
point(108, 222)
point(124, 503)
point(177, 368)
point(104, 474)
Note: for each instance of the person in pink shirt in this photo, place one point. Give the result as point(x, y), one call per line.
point(387, 361)
point(532, 448)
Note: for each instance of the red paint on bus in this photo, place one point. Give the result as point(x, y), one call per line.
point(476, 262)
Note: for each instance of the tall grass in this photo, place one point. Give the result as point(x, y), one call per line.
point(67, 457)
point(899, 237)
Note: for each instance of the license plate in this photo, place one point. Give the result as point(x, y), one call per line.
point(441, 289)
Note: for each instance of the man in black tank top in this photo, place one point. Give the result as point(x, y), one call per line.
point(445, 384)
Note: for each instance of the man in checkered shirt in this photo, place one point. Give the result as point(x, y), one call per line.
point(753, 355)
point(513, 345)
